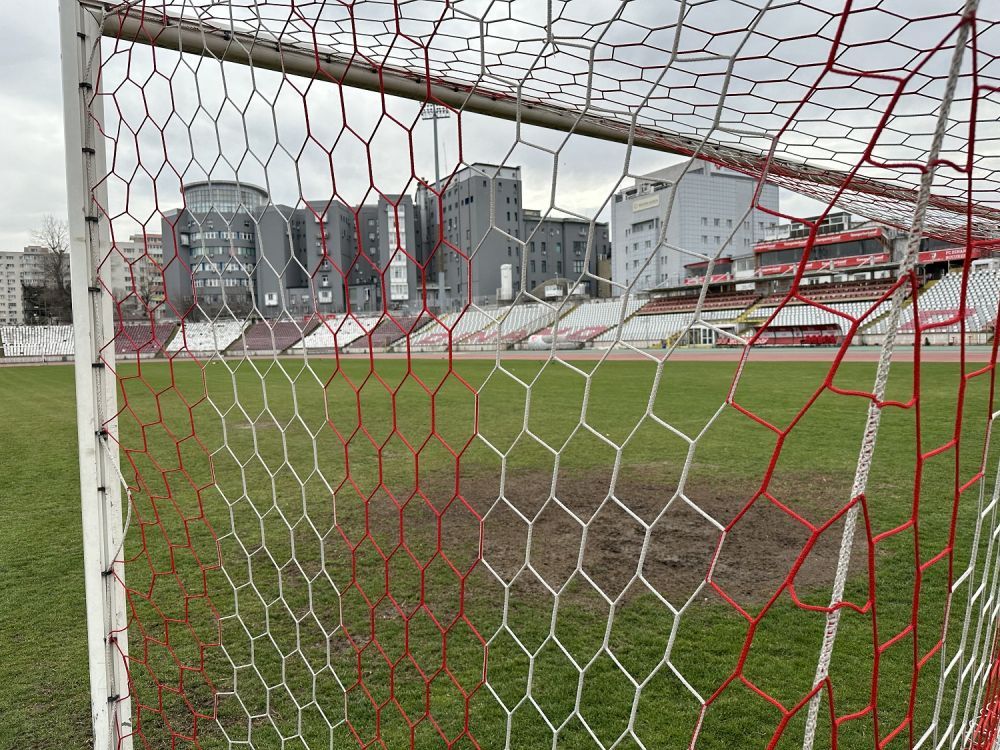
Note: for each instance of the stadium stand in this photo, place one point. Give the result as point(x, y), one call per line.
point(205, 337)
point(272, 336)
point(794, 323)
point(941, 302)
point(460, 324)
point(687, 303)
point(838, 291)
point(142, 339)
point(591, 319)
point(809, 316)
point(337, 332)
point(36, 341)
point(514, 324)
point(648, 327)
point(386, 331)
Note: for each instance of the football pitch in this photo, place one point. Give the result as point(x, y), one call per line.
point(389, 534)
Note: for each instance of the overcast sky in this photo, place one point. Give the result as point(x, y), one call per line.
point(31, 141)
point(579, 180)
point(31, 131)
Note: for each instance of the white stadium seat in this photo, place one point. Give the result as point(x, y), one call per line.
point(206, 337)
point(36, 341)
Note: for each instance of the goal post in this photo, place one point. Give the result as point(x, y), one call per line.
point(403, 433)
point(100, 488)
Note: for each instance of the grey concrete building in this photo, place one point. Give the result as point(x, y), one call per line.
point(390, 267)
point(563, 249)
point(213, 246)
point(709, 207)
point(462, 223)
point(231, 247)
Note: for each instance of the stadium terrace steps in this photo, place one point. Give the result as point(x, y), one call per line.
point(689, 303)
point(272, 337)
point(939, 304)
point(336, 332)
point(658, 327)
point(205, 337)
point(142, 339)
point(590, 321)
point(577, 334)
point(387, 330)
point(840, 315)
point(515, 324)
point(483, 327)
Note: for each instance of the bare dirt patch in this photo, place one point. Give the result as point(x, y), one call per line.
point(646, 536)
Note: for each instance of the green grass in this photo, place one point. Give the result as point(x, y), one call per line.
point(286, 440)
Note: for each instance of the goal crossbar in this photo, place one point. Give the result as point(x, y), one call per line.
point(874, 199)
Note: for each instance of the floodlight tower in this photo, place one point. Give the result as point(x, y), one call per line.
point(435, 112)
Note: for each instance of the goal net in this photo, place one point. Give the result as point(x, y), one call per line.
point(518, 374)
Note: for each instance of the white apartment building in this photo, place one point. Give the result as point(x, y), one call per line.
point(11, 269)
point(134, 265)
point(27, 267)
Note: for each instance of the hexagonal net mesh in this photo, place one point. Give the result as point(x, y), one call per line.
point(421, 452)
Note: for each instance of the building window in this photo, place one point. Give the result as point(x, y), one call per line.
point(704, 221)
point(704, 239)
point(715, 222)
point(532, 266)
point(577, 266)
point(544, 268)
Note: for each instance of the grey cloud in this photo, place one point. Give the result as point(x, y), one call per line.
point(578, 179)
point(31, 130)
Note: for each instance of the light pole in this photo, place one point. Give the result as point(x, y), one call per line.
point(435, 112)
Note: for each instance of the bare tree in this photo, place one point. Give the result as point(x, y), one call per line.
point(53, 236)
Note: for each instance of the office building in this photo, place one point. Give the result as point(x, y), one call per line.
point(700, 209)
